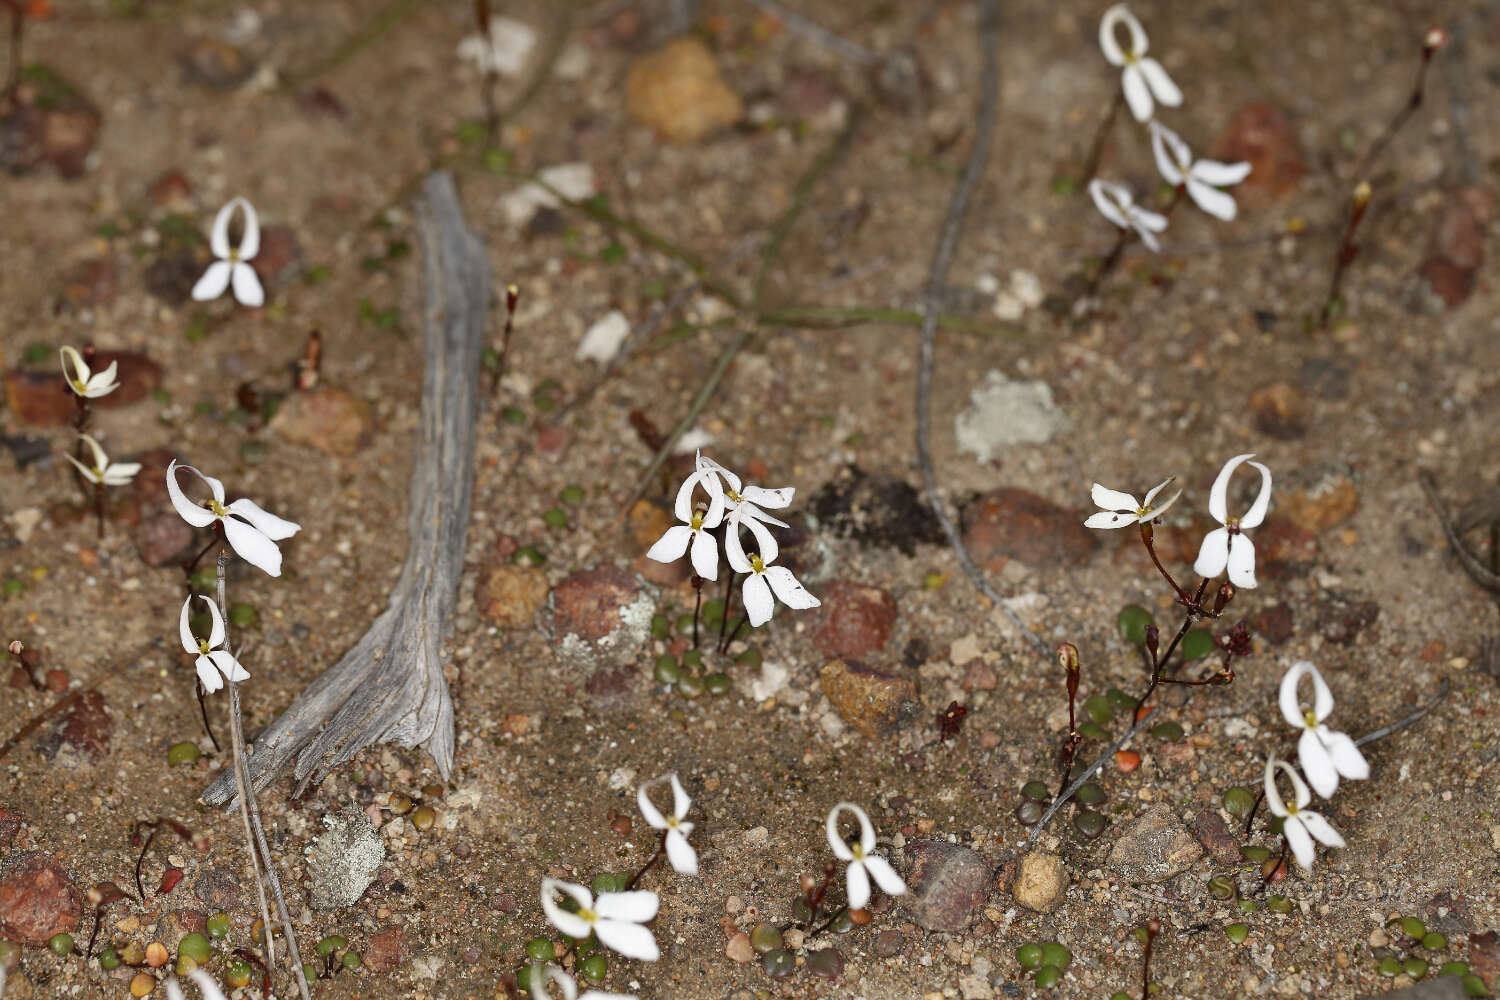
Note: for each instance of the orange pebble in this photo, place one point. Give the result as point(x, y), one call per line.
point(156, 954)
point(1141, 711)
point(142, 985)
point(1127, 760)
point(88, 557)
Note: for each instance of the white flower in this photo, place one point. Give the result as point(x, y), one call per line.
point(763, 580)
point(208, 655)
point(1142, 76)
point(86, 383)
point(1227, 546)
point(1299, 826)
point(503, 49)
point(1324, 753)
point(231, 267)
point(863, 865)
point(1201, 178)
point(615, 917)
point(1117, 204)
point(543, 975)
point(1119, 509)
point(699, 521)
point(743, 502)
point(679, 851)
point(211, 989)
point(104, 472)
point(251, 532)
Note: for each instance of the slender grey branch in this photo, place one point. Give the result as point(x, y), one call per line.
point(816, 33)
point(1401, 724)
point(389, 687)
point(937, 274)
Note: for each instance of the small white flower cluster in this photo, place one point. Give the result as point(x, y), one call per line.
point(1325, 754)
point(1225, 547)
point(253, 534)
point(864, 863)
point(736, 507)
point(87, 384)
point(232, 269)
point(1145, 83)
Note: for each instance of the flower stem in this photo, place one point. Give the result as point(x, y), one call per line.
point(1096, 148)
point(1347, 251)
point(1153, 928)
point(661, 847)
point(697, 582)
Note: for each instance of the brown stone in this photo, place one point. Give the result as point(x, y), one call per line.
point(946, 884)
point(1279, 410)
point(854, 620)
point(739, 948)
point(1209, 830)
point(510, 595)
point(216, 65)
point(170, 189)
point(219, 889)
point(1154, 847)
point(90, 283)
point(679, 91)
point(37, 899)
point(387, 950)
point(1274, 623)
point(329, 419)
point(150, 484)
point(1041, 882)
point(162, 538)
point(1484, 956)
point(10, 823)
point(645, 524)
point(1016, 524)
point(873, 702)
point(86, 727)
point(1458, 244)
point(280, 258)
point(1342, 618)
point(600, 614)
point(1262, 135)
point(1329, 502)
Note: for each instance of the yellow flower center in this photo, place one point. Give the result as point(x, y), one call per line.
point(203, 647)
point(587, 914)
point(217, 508)
point(1310, 718)
point(731, 494)
point(755, 564)
point(697, 521)
point(79, 385)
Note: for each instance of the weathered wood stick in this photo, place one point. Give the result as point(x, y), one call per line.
point(389, 687)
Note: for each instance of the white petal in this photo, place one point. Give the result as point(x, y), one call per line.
point(542, 975)
point(1153, 491)
point(253, 546)
point(1213, 201)
point(1148, 238)
point(765, 542)
point(206, 983)
point(1322, 694)
point(1274, 801)
point(218, 238)
point(681, 801)
point(570, 924)
point(101, 460)
point(189, 644)
point(174, 992)
point(1161, 509)
point(733, 481)
point(1299, 841)
point(250, 238)
point(1257, 512)
point(775, 499)
point(268, 524)
point(229, 666)
point(1220, 174)
point(1137, 94)
point(786, 587)
point(831, 827)
point(1160, 83)
point(1144, 220)
point(1109, 519)
point(216, 622)
point(247, 287)
point(1321, 829)
point(652, 815)
point(71, 359)
point(1287, 698)
point(757, 599)
point(1108, 499)
point(1218, 496)
point(208, 676)
point(1317, 764)
point(885, 876)
point(684, 859)
point(83, 470)
point(1170, 151)
point(749, 511)
point(1213, 554)
point(214, 281)
point(1346, 756)
point(198, 517)
point(1300, 795)
point(1108, 43)
point(1111, 199)
point(630, 940)
point(636, 906)
point(103, 383)
point(121, 473)
point(683, 505)
point(1242, 562)
point(705, 555)
point(734, 549)
point(671, 545)
point(859, 885)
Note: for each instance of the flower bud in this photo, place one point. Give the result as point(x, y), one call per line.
point(1362, 195)
point(1224, 596)
point(1067, 656)
point(1436, 39)
point(16, 647)
point(1153, 639)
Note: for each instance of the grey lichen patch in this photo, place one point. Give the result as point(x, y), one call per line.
point(343, 861)
point(1004, 412)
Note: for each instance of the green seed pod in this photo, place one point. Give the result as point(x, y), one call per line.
point(1132, 621)
point(539, 949)
point(1414, 967)
point(594, 968)
point(667, 671)
point(1237, 933)
point(1238, 801)
point(1047, 977)
point(1055, 954)
point(1167, 732)
point(778, 964)
point(1035, 791)
point(196, 947)
point(717, 684)
point(1279, 904)
point(351, 960)
point(765, 938)
point(61, 944)
point(330, 944)
point(1097, 708)
point(1089, 793)
point(1389, 966)
point(109, 960)
point(185, 752)
point(1197, 644)
point(1029, 956)
point(1221, 887)
point(217, 926)
point(1433, 941)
